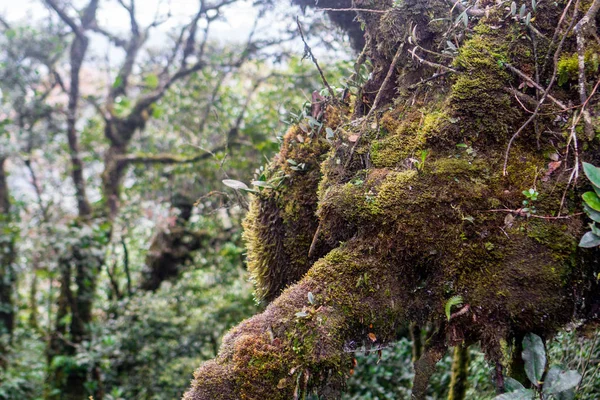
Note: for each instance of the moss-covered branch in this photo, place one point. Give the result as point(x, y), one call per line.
point(297, 346)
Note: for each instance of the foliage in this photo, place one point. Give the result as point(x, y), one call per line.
point(592, 206)
point(556, 384)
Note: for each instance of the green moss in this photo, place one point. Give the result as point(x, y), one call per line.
point(478, 98)
point(281, 223)
point(408, 137)
point(568, 66)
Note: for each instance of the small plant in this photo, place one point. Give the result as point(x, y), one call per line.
point(420, 162)
point(531, 195)
point(452, 301)
point(556, 384)
point(592, 206)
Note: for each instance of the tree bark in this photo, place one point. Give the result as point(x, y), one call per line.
point(460, 373)
point(7, 257)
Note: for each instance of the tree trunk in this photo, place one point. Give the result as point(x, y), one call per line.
point(7, 257)
point(460, 373)
point(420, 205)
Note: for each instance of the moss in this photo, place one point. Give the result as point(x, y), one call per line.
point(397, 241)
point(479, 101)
point(568, 66)
point(407, 137)
point(281, 223)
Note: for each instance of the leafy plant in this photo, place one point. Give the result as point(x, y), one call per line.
point(452, 301)
point(531, 196)
point(420, 162)
point(592, 206)
point(557, 383)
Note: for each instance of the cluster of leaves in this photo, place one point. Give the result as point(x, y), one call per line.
point(554, 384)
point(592, 206)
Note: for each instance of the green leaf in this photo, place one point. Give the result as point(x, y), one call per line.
point(528, 19)
point(513, 8)
point(533, 4)
point(524, 394)
point(589, 240)
point(565, 381)
point(452, 301)
point(594, 215)
point(522, 11)
point(512, 385)
point(232, 183)
point(465, 19)
point(152, 81)
point(118, 82)
point(329, 133)
point(301, 314)
point(592, 173)
point(550, 378)
point(534, 356)
point(592, 200)
point(311, 298)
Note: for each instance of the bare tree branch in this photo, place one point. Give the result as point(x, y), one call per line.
point(66, 18)
point(166, 158)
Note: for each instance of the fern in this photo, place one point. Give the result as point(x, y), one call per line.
point(452, 301)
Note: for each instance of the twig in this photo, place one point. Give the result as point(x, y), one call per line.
point(308, 51)
point(555, 35)
point(471, 11)
point(573, 136)
point(587, 363)
point(521, 213)
point(536, 85)
point(430, 63)
point(431, 78)
point(386, 81)
point(584, 25)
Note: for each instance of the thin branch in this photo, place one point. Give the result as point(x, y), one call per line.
point(66, 18)
point(308, 51)
point(430, 63)
point(522, 213)
point(471, 11)
point(126, 266)
point(166, 158)
point(523, 76)
point(119, 42)
point(386, 81)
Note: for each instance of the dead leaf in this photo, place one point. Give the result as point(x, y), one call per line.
point(508, 220)
point(353, 138)
point(372, 337)
point(300, 138)
point(552, 166)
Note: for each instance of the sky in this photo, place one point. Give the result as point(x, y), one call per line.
point(113, 17)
